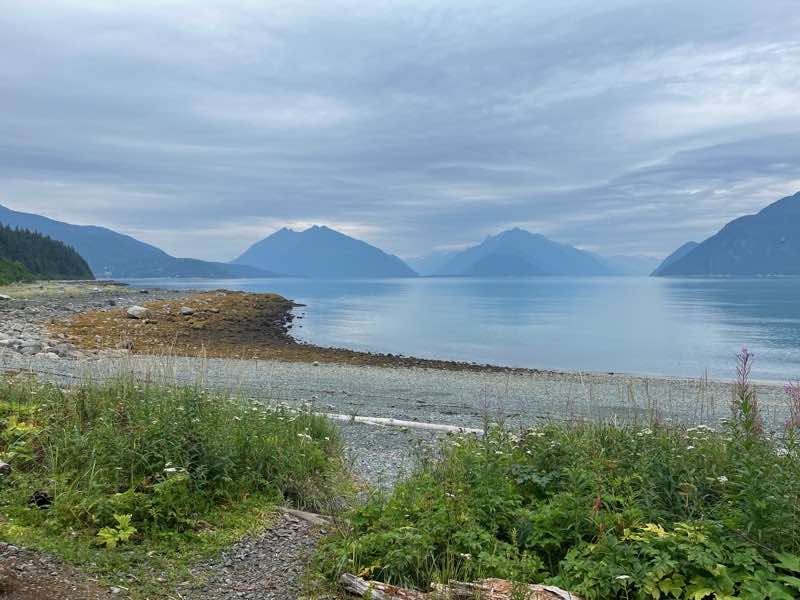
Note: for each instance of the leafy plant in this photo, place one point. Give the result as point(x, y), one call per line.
point(122, 532)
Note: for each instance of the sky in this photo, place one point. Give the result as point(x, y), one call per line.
point(623, 127)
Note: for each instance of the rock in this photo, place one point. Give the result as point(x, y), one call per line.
point(31, 347)
point(51, 355)
point(5, 468)
point(144, 291)
point(137, 312)
point(4, 297)
point(186, 311)
point(111, 302)
point(64, 349)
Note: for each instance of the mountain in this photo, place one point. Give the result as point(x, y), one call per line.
point(429, 264)
point(675, 257)
point(112, 254)
point(631, 265)
point(28, 255)
point(322, 252)
point(517, 252)
point(766, 243)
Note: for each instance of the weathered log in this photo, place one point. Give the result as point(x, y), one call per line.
point(389, 422)
point(375, 590)
point(501, 589)
point(312, 518)
point(487, 589)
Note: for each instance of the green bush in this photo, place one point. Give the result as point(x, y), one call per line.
point(164, 455)
point(605, 511)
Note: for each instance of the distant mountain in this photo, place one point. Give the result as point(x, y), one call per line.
point(429, 264)
point(322, 252)
point(631, 265)
point(517, 252)
point(766, 243)
point(29, 255)
point(112, 254)
point(675, 257)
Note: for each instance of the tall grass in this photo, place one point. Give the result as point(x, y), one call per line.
point(163, 454)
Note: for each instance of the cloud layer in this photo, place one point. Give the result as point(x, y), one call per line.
point(620, 126)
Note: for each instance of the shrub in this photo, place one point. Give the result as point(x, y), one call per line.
point(608, 511)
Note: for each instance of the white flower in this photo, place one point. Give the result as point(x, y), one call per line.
point(690, 447)
point(722, 479)
point(465, 555)
point(623, 577)
point(782, 452)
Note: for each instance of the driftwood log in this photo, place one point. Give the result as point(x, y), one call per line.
point(487, 589)
point(389, 422)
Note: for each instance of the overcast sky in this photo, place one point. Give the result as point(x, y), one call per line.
point(618, 126)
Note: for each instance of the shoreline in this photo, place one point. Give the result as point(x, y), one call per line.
point(69, 300)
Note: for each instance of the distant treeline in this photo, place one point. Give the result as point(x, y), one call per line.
point(26, 255)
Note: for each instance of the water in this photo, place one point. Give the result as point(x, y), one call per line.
point(680, 327)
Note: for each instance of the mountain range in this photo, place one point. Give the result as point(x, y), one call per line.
point(112, 254)
point(322, 252)
point(766, 243)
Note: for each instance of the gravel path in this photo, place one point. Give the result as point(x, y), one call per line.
point(269, 566)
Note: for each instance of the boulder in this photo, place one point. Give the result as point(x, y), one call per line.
point(137, 312)
point(186, 311)
point(4, 297)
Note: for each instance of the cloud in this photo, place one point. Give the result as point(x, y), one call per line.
point(201, 126)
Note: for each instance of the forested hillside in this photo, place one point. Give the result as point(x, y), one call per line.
point(25, 255)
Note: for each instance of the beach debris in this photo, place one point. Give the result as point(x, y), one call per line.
point(496, 589)
point(137, 312)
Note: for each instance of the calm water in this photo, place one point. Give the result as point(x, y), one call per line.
point(631, 325)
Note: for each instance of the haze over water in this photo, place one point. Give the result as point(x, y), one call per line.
point(655, 326)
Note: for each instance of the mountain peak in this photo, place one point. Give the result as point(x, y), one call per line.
point(320, 251)
point(761, 244)
point(518, 252)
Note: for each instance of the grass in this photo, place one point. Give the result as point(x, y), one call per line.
point(600, 509)
point(142, 480)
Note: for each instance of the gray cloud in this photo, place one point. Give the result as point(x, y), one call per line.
point(621, 126)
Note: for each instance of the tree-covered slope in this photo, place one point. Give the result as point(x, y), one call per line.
point(112, 254)
point(26, 253)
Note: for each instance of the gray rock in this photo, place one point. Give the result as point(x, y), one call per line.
point(186, 311)
point(4, 297)
point(5, 468)
point(31, 347)
point(137, 312)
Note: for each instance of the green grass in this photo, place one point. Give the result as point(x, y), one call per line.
point(602, 510)
point(192, 471)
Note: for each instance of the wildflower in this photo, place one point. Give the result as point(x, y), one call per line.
point(782, 452)
point(690, 447)
point(304, 436)
point(622, 577)
point(722, 479)
point(465, 555)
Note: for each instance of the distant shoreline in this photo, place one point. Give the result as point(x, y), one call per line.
point(278, 342)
